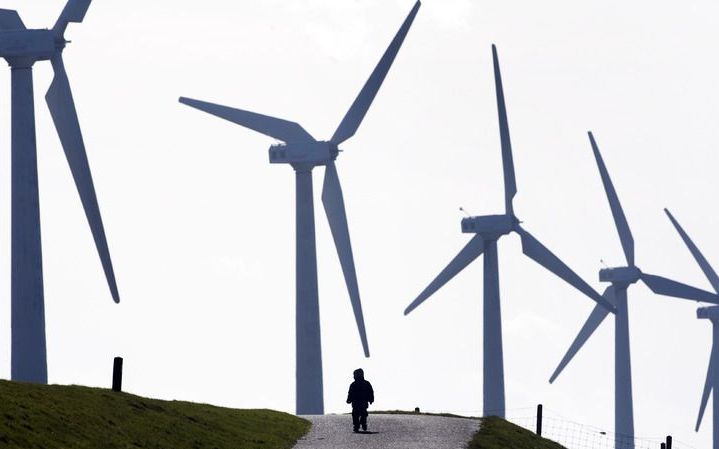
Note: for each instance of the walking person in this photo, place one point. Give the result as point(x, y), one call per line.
point(360, 396)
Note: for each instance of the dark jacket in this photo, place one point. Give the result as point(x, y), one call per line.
point(360, 394)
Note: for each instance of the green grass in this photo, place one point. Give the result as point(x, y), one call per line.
point(496, 433)
point(72, 417)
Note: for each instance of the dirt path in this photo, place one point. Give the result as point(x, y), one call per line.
point(389, 432)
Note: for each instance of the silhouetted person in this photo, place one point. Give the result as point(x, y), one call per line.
point(360, 396)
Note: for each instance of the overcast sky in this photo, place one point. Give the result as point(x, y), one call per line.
point(201, 226)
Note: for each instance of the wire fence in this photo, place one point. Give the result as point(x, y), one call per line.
point(574, 435)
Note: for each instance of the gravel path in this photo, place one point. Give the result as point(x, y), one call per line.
point(389, 432)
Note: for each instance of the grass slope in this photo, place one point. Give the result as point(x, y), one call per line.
point(496, 433)
point(72, 417)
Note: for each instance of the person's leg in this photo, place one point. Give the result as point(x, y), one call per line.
point(355, 419)
point(363, 419)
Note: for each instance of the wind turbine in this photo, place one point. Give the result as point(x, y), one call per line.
point(303, 152)
point(712, 314)
point(621, 278)
point(21, 48)
point(488, 229)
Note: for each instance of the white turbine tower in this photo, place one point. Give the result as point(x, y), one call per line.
point(621, 278)
point(488, 229)
point(21, 48)
point(303, 152)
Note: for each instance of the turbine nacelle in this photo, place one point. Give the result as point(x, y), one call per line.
point(620, 275)
point(710, 313)
point(303, 153)
point(33, 45)
point(489, 226)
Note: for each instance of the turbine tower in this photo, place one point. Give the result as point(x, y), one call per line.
point(621, 278)
point(488, 229)
point(712, 314)
point(21, 48)
point(712, 381)
point(303, 152)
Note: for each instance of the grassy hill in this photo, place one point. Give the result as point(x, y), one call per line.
point(72, 417)
point(496, 433)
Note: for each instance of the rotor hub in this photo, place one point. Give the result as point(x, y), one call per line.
point(61, 42)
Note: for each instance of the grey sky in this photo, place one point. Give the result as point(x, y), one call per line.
point(201, 227)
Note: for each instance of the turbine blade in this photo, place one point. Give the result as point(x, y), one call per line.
point(335, 209)
point(360, 106)
point(593, 321)
point(279, 129)
point(698, 256)
point(510, 184)
point(62, 109)
point(10, 20)
point(544, 257)
point(471, 251)
point(74, 11)
point(663, 286)
point(625, 234)
point(707, 389)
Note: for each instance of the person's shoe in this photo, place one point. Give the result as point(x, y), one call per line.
point(364, 427)
point(355, 429)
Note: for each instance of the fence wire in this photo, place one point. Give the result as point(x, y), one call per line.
point(574, 435)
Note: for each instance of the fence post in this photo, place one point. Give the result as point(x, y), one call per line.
point(669, 442)
point(117, 374)
point(539, 420)
point(663, 446)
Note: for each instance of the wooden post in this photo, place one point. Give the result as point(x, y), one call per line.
point(669, 442)
point(539, 420)
point(117, 374)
